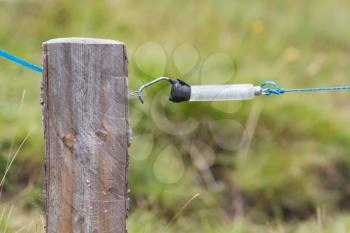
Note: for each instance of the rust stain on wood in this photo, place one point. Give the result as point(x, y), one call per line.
point(69, 140)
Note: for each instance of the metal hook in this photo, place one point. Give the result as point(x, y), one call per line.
point(138, 93)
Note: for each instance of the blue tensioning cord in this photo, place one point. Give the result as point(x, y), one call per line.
point(276, 90)
point(268, 88)
point(20, 61)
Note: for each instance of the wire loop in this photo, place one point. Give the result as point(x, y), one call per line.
point(270, 87)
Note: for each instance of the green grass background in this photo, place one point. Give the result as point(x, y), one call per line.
point(292, 176)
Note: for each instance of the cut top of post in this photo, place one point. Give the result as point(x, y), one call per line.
point(80, 40)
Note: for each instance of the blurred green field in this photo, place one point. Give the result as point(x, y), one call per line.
point(275, 164)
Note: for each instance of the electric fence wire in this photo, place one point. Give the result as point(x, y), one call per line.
point(268, 88)
point(20, 61)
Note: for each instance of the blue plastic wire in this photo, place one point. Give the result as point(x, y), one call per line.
point(271, 88)
point(20, 61)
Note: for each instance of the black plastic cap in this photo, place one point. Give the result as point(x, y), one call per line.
point(180, 91)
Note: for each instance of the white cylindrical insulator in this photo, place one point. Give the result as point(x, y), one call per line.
point(223, 92)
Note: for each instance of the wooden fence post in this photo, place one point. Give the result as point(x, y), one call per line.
point(85, 118)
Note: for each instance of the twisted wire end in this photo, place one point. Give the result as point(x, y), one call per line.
point(270, 88)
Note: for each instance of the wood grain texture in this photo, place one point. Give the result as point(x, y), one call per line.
point(85, 118)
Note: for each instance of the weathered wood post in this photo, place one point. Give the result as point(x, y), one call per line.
point(85, 109)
